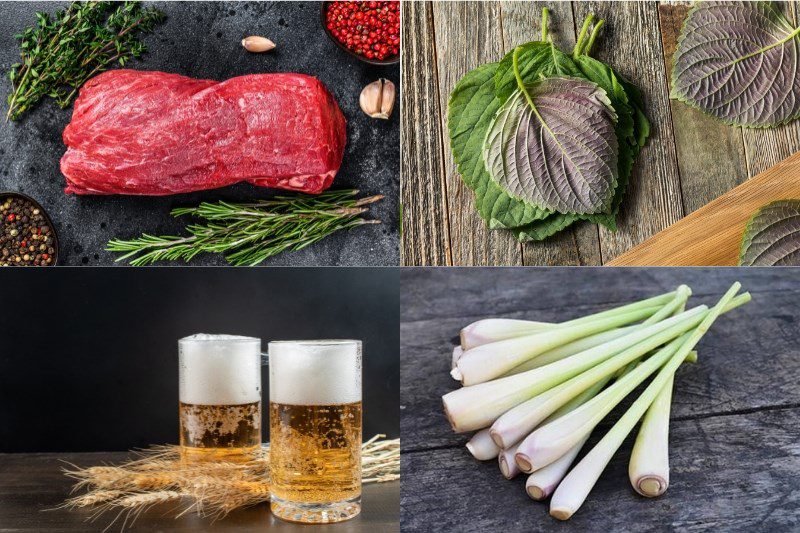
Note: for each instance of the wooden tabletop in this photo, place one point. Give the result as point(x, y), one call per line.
point(32, 485)
point(690, 159)
point(735, 430)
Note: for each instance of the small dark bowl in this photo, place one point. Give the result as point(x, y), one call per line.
point(324, 21)
point(56, 247)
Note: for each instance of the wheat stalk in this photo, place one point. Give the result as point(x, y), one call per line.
point(211, 489)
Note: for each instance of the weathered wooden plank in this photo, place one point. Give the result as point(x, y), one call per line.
point(467, 36)
point(750, 359)
point(712, 235)
point(424, 197)
point(32, 486)
point(521, 22)
point(631, 43)
point(766, 147)
point(727, 473)
point(711, 157)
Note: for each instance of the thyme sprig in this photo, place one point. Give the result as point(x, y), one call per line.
point(249, 233)
point(60, 53)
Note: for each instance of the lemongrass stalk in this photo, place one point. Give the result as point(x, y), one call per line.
point(499, 329)
point(571, 348)
point(648, 468)
point(489, 361)
point(553, 440)
point(508, 467)
point(482, 447)
point(517, 423)
point(457, 352)
point(478, 406)
point(572, 491)
point(543, 482)
point(675, 306)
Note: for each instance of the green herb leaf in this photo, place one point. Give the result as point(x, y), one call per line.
point(60, 54)
point(250, 233)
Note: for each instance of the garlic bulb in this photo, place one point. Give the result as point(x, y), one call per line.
point(377, 99)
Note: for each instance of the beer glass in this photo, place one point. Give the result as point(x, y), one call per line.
point(220, 396)
point(315, 430)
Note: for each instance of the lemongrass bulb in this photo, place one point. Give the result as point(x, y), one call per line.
point(648, 469)
point(508, 466)
point(482, 447)
point(544, 481)
point(498, 329)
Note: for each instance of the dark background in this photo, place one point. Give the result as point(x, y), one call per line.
point(735, 416)
point(202, 40)
point(89, 357)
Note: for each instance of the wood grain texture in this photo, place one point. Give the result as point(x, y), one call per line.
point(458, 26)
point(734, 432)
point(32, 486)
point(712, 235)
point(711, 156)
point(423, 193)
point(631, 43)
point(719, 481)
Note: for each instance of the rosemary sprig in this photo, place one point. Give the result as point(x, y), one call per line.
point(249, 233)
point(61, 52)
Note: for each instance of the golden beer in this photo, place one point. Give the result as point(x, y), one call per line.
point(315, 454)
point(220, 432)
point(220, 396)
point(315, 430)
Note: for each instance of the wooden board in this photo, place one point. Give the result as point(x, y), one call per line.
point(735, 414)
point(32, 486)
point(712, 235)
point(690, 160)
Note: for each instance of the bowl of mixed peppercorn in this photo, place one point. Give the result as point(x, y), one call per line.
point(369, 31)
point(27, 237)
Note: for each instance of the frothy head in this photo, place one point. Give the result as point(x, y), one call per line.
point(325, 372)
point(219, 369)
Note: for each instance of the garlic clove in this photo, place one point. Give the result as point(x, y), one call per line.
point(377, 99)
point(257, 44)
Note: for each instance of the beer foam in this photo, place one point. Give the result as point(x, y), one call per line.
point(326, 372)
point(219, 369)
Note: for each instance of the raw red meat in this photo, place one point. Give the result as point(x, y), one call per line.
point(152, 133)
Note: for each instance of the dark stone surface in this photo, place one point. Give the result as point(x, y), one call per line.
point(202, 40)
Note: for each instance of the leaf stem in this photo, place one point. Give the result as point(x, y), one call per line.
point(545, 12)
point(593, 36)
point(582, 35)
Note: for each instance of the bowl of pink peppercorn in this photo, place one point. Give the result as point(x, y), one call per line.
point(369, 31)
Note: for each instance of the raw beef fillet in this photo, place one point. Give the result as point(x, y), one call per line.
point(152, 133)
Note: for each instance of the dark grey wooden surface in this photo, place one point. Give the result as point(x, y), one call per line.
point(735, 432)
point(202, 40)
point(32, 485)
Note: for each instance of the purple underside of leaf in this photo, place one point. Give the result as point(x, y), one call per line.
point(772, 236)
point(562, 156)
point(729, 63)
